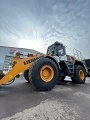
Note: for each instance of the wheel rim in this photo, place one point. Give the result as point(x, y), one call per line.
point(46, 73)
point(81, 74)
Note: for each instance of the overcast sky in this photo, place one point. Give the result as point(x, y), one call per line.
point(35, 24)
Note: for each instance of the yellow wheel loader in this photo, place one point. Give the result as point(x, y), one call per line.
point(44, 71)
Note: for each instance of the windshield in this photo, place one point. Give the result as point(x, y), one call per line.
point(50, 50)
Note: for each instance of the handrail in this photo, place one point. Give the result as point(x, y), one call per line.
point(78, 54)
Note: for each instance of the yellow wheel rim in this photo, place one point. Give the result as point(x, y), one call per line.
point(46, 73)
point(81, 74)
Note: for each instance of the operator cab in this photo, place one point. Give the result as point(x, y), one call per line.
point(56, 49)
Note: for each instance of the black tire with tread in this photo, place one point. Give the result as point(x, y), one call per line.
point(26, 75)
point(35, 74)
point(76, 78)
point(2, 75)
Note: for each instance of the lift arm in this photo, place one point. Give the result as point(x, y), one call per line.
point(20, 66)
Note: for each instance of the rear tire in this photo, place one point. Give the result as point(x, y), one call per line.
point(44, 74)
point(26, 75)
point(79, 75)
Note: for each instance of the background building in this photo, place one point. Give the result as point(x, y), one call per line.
point(7, 53)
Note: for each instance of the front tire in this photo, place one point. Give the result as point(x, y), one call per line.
point(2, 75)
point(26, 75)
point(79, 75)
point(44, 74)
